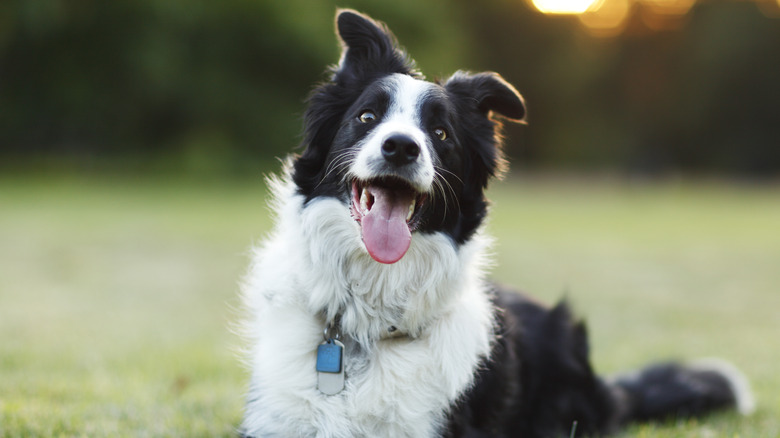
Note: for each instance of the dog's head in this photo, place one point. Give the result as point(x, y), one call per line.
point(404, 155)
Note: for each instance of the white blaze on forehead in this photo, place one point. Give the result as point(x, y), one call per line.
point(407, 96)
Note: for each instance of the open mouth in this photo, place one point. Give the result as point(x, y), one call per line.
point(388, 211)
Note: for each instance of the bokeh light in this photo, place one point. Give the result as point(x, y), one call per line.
point(609, 18)
point(563, 6)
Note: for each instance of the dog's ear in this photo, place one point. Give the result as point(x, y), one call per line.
point(478, 97)
point(489, 92)
point(369, 49)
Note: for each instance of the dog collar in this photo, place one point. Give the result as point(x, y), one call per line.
point(331, 353)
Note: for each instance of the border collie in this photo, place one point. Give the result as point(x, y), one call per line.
point(370, 311)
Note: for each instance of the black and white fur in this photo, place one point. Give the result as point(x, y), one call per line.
point(431, 347)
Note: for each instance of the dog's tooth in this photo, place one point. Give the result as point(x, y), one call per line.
point(364, 201)
point(411, 210)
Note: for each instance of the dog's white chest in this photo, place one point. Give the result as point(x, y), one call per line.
point(391, 392)
point(394, 387)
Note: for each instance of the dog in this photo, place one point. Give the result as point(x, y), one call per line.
point(370, 313)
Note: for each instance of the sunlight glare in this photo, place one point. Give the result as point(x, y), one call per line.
point(607, 17)
point(563, 6)
point(670, 7)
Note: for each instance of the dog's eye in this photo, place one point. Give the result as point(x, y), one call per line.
point(441, 133)
point(367, 117)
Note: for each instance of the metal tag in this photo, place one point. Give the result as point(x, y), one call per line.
point(329, 357)
point(330, 367)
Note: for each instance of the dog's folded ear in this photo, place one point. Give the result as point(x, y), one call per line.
point(490, 92)
point(369, 49)
point(478, 97)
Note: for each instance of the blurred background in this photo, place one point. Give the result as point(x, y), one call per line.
point(648, 87)
point(134, 133)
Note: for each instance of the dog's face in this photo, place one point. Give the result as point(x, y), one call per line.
point(403, 154)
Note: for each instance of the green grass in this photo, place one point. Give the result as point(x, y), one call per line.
point(116, 296)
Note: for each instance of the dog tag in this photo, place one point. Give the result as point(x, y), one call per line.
point(330, 367)
point(329, 356)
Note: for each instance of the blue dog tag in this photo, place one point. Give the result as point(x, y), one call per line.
point(330, 367)
point(329, 357)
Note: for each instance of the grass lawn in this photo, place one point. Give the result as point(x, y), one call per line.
point(116, 296)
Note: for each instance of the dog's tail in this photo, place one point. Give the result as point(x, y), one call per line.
point(667, 390)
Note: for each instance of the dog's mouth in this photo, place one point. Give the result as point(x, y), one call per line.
point(388, 211)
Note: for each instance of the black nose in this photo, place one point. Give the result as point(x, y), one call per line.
point(400, 149)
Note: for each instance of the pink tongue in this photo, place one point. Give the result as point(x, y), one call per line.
point(385, 232)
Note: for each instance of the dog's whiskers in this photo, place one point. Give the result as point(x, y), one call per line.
point(440, 181)
point(437, 185)
point(340, 162)
point(438, 168)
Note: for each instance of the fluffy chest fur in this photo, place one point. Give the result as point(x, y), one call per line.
point(314, 267)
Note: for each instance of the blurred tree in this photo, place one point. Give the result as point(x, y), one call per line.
point(201, 85)
point(694, 98)
point(144, 79)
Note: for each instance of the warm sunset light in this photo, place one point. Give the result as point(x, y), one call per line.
point(563, 6)
point(670, 7)
point(610, 17)
point(606, 17)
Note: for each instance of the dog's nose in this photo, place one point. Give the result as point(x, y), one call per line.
point(400, 149)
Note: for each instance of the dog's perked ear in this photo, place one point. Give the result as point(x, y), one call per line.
point(369, 50)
